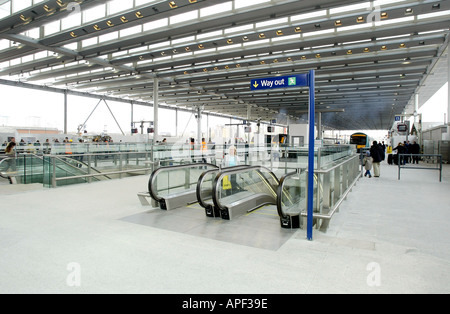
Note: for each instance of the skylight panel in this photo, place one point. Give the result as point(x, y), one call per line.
point(18, 6)
point(353, 7)
point(238, 29)
point(5, 10)
point(216, 9)
point(307, 16)
point(242, 4)
point(156, 24)
point(434, 14)
point(272, 22)
point(180, 18)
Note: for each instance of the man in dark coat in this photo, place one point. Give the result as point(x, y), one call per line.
point(377, 156)
point(415, 149)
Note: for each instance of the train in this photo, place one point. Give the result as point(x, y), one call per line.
point(361, 140)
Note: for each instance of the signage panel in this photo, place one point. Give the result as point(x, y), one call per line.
point(298, 80)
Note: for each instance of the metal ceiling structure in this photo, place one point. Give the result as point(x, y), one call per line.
point(370, 57)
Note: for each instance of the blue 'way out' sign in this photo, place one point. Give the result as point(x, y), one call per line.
point(280, 82)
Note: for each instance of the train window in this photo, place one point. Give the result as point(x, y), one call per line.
point(358, 140)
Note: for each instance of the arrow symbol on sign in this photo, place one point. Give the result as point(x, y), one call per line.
point(256, 85)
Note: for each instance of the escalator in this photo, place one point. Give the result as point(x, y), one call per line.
point(176, 186)
point(237, 192)
point(31, 168)
point(205, 188)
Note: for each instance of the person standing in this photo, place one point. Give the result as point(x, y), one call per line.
point(368, 164)
point(415, 150)
point(192, 149)
point(204, 149)
point(377, 157)
point(10, 162)
point(231, 160)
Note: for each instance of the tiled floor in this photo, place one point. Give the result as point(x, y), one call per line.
point(389, 236)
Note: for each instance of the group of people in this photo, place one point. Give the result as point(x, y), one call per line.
point(373, 159)
point(407, 148)
point(376, 155)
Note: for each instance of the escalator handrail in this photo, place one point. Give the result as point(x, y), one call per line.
point(280, 193)
point(224, 173)
point(156, 172)
point(79, 163)
point(202, 178)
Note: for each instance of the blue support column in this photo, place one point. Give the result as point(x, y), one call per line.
point(312, 119)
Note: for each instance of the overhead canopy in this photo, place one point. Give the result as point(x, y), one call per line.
point(370, 57)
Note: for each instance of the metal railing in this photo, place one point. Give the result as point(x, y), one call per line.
point(123, 162)
point(332, 187)
point(152, 183)
point(402, 158)
point(218, 183)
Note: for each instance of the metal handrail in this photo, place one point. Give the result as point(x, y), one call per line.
point(88, 175)
point(202, 179)
point(59, 157)
point(101, 174)
point(222, 174)
point(336, 206)
point(280, 192)
point(400, 166)
point(335, 166)
point(343, 196)
point(317, 172)
point(155, 173)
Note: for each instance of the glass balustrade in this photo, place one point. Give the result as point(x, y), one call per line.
point(239, 191)
point(168, 183)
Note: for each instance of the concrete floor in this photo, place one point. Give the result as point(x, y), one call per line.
point(389, 236)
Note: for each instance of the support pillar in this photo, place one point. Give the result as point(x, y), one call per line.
point(448, 82)
point(176, 122)
point(319, 125)
point(65, 112)
point(199, 125)
point(156, 109)
point(132, 118)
